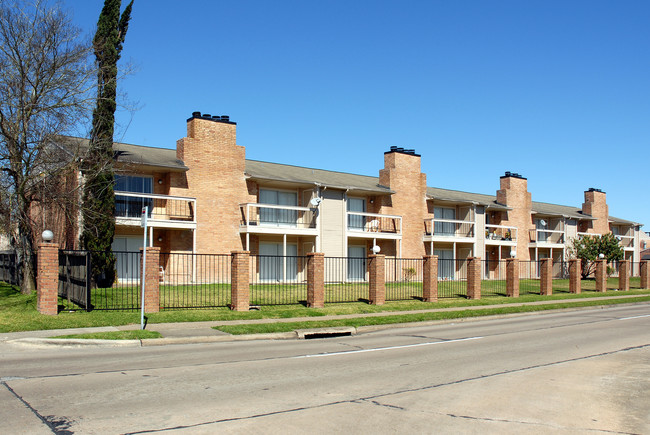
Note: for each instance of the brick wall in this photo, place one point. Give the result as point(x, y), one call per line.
point(512, 277)
point(595, 205)
point(624, 275)
point(430, 279)
point(151, 280)
point(316, 280)
point(546, 276)
point(575, 276)
point(601, 275)
point(474, 278)
point(513, 192)
point(377, 284)
point(240, 290)
point(402, 174)
point(216, 179)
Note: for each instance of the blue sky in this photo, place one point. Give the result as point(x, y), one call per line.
point(558, 91)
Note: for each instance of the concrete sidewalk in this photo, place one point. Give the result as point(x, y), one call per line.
point(200, 332)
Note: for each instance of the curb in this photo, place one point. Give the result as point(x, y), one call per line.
point(72, 342)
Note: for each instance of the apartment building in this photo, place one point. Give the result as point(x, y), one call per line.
point(206, 197)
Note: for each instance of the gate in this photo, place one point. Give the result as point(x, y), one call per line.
point(74, 279)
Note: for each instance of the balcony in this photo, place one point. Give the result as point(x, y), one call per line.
point(373, 225)
point(547, 238)
point(448, 230)
point(626, 242)
point(500, 235)
point(164, 211)
point(277, 219)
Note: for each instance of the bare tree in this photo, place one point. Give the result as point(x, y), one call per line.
point(46, 90)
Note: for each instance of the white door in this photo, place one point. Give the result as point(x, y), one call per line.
point(446, 263)
point(272, 262)
point(275, 216)
point(356, 263)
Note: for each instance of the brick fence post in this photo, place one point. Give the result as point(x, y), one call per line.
point(645, 274)
point(601, 276)
point(151, 279)
point(624, 275)
point(474, 278)
point(546, 276)
point(47, 282)
point(575, 276)
point(239, 276)
point(316, 280)
point(377, 284)
point(430, 279)
point(512, 277)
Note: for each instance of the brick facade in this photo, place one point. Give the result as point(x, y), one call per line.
point(402, 174)
point(377, 280)
point(514, 193)
point(595, 205)
point(47, 284)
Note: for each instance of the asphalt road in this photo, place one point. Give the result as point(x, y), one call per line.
point(585, 371)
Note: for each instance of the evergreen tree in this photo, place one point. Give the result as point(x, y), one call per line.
point(588, 248)
point(99, 200)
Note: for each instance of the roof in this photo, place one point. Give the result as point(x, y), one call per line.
point(155, 158)
point(297, 174)
point(165, 158)
point(544, 208)
point(459, 196)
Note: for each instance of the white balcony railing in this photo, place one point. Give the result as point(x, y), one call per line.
point(547, 236)
point(500, 233)
point(171, 209)
point(374, 223)
point(451, 228)
point(255, 215)
point(626, 241)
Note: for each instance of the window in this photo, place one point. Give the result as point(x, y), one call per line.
point(356, 263)
point(128, 206)
point(272, 262)
point(357, 205)
point(444, 228)
point(446, 263)
point(276, 216)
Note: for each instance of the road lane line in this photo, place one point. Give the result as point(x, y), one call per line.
point(348, 352)
point(634, 317)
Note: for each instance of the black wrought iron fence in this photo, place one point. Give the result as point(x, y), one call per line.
point(125, 292)
point(403, 278)
point(194, 280)
point(494, 278)
point(529, 277)
point(346, 279)
point(9, 268)
point(278, 280)
point(452, 278)
point(74, 280)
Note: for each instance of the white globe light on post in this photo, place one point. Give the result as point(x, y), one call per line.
point(376, 249)
point(513, 253)
point(601, 256)
point(47, 236)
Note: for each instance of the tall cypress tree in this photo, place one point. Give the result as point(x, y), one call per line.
point(99, 200)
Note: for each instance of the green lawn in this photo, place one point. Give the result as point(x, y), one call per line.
point(18, 312)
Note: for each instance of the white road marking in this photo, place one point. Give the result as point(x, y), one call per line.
point(348, 352)
point(634, 317)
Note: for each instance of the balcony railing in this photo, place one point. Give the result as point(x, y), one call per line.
point(547, 236)
point(626, 241)
point(276, 216)
point(500, 233)
point(449, 228)
point(374, 223)
point(161, 207)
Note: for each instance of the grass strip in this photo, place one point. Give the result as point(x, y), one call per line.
point(412, 318)
point(137, 334)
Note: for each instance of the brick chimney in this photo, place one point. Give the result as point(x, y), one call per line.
point(595, 205)
point(514, 193)
point(215, 177)
point(402, 173)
